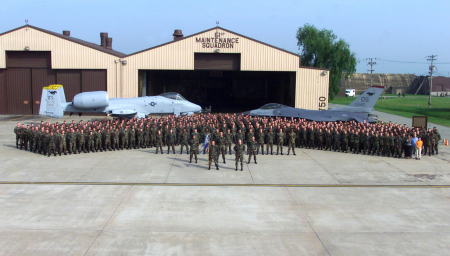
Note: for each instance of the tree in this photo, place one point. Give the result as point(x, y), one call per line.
point(321, 49)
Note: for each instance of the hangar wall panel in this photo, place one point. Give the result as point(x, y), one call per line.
point(40, 78)
point(311, 89)
point(71, 80)
point(19, 91)
point(93, 80)
point(65, 54)
point(27, 59)
point(3, 95)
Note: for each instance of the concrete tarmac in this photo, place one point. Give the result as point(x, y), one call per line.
point(134, 202)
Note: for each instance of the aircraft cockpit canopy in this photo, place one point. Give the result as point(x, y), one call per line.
point(173, 96)
point(272, 106)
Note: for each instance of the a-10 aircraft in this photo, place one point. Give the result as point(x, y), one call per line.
point(359, 110)
point(53, 104)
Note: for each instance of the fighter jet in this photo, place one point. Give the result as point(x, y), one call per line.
point(53, 104)
point(359, 110)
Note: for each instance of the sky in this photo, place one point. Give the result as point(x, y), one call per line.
point(400, 34)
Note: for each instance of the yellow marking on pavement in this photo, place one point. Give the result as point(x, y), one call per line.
point(14, 119)
point(218, 185)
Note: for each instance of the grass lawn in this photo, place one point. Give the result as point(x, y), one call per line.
point(411, 105)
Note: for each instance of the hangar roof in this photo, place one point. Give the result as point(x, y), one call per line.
point(151, 48)
point(75, 40)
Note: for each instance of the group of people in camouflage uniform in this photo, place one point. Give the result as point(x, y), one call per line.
point(223, 130)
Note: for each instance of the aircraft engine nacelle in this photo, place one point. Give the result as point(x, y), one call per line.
point(89, 100)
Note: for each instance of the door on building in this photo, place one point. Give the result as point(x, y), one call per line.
point(18, 91)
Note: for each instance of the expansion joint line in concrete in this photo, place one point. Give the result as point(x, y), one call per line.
point(110, 217)
point(304, 216)
point(217, 185)
point(320, 165)
point(175, 158)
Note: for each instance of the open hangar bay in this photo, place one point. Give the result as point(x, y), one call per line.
point(138, 203)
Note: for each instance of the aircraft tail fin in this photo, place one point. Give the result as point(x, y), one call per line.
point(368, 98)
point(52, 101)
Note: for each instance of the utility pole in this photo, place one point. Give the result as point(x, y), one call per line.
point(371, 63)
point(431, 58)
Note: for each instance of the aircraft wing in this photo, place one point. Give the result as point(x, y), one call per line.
point(312, 115)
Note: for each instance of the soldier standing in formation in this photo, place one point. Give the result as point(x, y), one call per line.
point(380, 139)
point(252, 148)
point(194, 148)
point(213, 155)
point(239, 149)
point(291, 142)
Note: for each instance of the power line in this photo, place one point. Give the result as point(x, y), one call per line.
point(413, 62)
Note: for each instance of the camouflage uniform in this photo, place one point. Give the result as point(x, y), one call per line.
point(320, 144)
point(90, 143)
point(291, 142)
point(239, 153)
point(311, 139)
point(220, 142)
point(228, 141)
point(158, 143)
point(280, 140)
point(115, 139)
point(344, 142)
point(387, 146)
point(260, 143)
point(337, 142)
point(252, 150)
point(303, 140)
point(51, 140)
point(328, 139)
point(366, 144)
point(107, 140)
point(240, 136)
point(356, 143)
point(62, 144)
point(17, 131)
point(123, 139)
point(81, 139)
point(184, 141)
point(194, 149)
point(431, 145)
point(171, 137)
point(437, 138)
point(97, 142)
point(398, 147)
point(132, 139)
point(375, 145)
point(213, 155)
point(36, 135)
point(381, 146)
point(270, 138)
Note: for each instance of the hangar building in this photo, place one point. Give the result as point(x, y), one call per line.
point(216, 67)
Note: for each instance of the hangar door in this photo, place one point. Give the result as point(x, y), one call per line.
point(217, 61)
point(27, 72)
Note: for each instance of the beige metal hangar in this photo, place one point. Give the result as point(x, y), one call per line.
point(216, 67)
point(225, 70)
point(31, 58)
